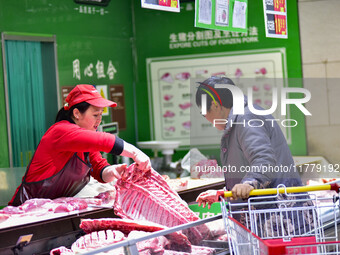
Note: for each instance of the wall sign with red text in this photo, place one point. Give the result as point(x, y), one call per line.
point(275, 15)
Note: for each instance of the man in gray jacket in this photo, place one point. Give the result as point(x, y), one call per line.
point(254, 151)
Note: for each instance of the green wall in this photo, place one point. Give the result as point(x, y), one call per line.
point(152, 35)
point(83, 33)
point(4, 157)
point(127, 35)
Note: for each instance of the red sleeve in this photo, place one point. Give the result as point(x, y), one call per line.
point(70, 137)
point(98, 164)
point(59, 144)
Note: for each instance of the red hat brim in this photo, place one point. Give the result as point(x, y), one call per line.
point(101, 102)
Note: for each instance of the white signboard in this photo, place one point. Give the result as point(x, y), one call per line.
point(170, 80)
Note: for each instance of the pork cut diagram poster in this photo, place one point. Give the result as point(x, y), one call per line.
point(172, 83)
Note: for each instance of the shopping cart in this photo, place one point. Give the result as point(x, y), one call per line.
point(295, 223)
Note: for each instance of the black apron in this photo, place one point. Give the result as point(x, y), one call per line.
point(66, 183)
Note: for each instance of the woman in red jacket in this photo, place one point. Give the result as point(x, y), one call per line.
point(69, 152)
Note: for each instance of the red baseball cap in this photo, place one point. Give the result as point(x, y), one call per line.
point(89, 94)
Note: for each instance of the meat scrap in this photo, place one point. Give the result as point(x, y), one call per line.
point(206, 168)
point(178, 241)
point(90, 242)
point(9, 210)
point(107, 197)
point(177, 184)
point(41, 206)
point(200, 250)
point(61, 251)
point(97, 240)
point(154, 245)
point(69, 204)
point(147, 196)
point(33, 206)
point(196, 250)
point(123, 225)
point(3, 217)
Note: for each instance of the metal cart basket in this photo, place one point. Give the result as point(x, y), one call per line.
point(282, 222)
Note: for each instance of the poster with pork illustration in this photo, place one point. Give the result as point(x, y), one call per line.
point(172, 83)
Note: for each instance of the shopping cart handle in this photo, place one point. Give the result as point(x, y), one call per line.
point(273, 191)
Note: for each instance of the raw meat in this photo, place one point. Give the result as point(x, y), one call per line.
point(94, 201)
point(199, 250)
point(42, 206)
point(223, 237)
point(9, 210)
point(69, 204)
point(177, 239)
point(3, 217)
point(34, 204)
point(196, 250)
point(147, 196)
point(217, 228)
point(29, 207)
point(123, 225)
point(61, 251)
point(206, 168)
point(177, 184)
point(154, 245)
point(97, 240)
point(107, 197)
point(170, 252)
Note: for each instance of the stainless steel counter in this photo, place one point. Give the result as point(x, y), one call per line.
point(48, 233)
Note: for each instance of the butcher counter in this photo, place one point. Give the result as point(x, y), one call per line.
point(47, 231)
point(62, 229)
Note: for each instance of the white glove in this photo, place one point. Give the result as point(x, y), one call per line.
point(112, 172)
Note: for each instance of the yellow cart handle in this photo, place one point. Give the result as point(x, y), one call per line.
point(273, 191)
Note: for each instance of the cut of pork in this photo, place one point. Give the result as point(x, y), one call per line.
point(154, 245)
point(61, 251)
point(196, 250)
point(69, 204)
point(97, 240)
point(3, 217)
point(147, 196)
point(107, 197)
point(42, 206)
point(178, 241)
point(123, 225)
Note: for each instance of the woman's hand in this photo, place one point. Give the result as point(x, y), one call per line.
point(142, 160)
point(112, 172)
point(241, 190)
point(208, 197)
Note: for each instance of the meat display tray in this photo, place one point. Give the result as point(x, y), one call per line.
point(57, 230)
point(48, 233)
point(130, 248)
